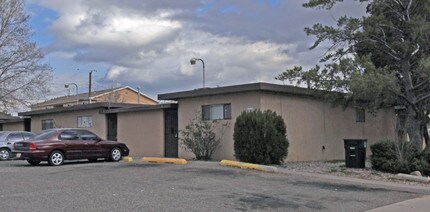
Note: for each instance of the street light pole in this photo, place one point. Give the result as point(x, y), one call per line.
point(193, 62)
point(77, 92)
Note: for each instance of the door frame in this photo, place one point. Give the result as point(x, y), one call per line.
point(171, 148)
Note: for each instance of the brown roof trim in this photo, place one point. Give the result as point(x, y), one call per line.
point(72, 98)
point(16, 120)
point(241, 88)
point(78, 107)
point(141, 108)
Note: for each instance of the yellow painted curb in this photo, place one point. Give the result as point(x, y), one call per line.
point(248, 166)
point(127, 159)
point(179, 161)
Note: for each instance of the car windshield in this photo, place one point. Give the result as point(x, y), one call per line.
point(44, 135)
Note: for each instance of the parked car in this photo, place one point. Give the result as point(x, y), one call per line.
point(8, 138)
point(57, 145)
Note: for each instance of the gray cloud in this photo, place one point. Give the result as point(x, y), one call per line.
point(150, 42)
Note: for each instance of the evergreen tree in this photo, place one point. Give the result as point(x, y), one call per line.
point(379, 60)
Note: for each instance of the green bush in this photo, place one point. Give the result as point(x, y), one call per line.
point(387, 156)
point(199, 137)
point(260, 137)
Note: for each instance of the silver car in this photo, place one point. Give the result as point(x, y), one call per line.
point(8, 138)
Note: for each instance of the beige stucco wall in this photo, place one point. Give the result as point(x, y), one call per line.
point(70, 120)
point(13, 126)
point(239, 102)
point(143, 132)
point(311, 124)
point(124, 96)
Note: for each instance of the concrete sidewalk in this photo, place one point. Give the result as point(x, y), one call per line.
point(415, 205)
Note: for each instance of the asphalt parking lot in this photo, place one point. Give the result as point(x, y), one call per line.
point(197, 186)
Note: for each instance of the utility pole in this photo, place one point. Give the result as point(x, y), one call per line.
point(89, 86)
point(138, 94)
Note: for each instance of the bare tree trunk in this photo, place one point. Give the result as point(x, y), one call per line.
point(413, 128)
point(425, 133)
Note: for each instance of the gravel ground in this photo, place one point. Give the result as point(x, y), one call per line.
point(338, 168)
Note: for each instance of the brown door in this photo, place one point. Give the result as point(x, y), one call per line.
point(171, 133)
point(27, 124)
point(112, 126)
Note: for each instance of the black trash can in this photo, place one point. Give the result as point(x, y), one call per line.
point(355, 153)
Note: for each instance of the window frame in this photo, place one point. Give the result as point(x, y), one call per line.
point(207, 111)
point(89, 119)
point(49, 123)
point(360, 115)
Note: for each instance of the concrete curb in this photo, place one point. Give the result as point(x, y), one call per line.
point(356, 180)
point(127, 159)
point(413, 178)
point(179, 161)
point(248, 166)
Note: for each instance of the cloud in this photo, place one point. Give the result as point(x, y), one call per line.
point(151, 42)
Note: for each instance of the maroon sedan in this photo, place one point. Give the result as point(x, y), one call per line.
point(57, 145)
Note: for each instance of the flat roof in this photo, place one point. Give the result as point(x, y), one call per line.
point(141, 108)
point(79, 107)
point(268, 87)
point(16, 120)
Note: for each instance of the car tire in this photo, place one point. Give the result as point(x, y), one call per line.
point(4, 154)
point(115, 154)
point(33, 162)
point(56, 158)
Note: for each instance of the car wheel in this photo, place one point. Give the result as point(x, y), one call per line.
point(33, 162)
point(56, 158)
point(115, 154)
point(4, 154)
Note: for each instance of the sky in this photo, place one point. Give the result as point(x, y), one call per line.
point(150, 43)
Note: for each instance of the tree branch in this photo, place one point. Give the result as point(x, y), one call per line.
point(422, 97)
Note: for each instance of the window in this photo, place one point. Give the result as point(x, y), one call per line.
point(44, 135)
point(360, 115)
point(88, 136)
point(216, 112)
point(27, 135)
point(47, 124)
point(68, 135)
point(85, 121)
point(13, 137)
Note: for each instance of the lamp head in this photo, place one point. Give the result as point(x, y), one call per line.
point(193, 61)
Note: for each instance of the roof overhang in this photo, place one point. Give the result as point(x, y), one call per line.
point(267, 87)
point(141, 108)
point(101, 105)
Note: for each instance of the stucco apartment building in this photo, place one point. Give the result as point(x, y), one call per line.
point(316, 130)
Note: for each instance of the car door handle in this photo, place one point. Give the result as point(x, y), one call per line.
point(85, 143)
point(9, 143)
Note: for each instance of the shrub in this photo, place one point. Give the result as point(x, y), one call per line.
point(260, 137)
point(199, 137)
point(388, 157)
